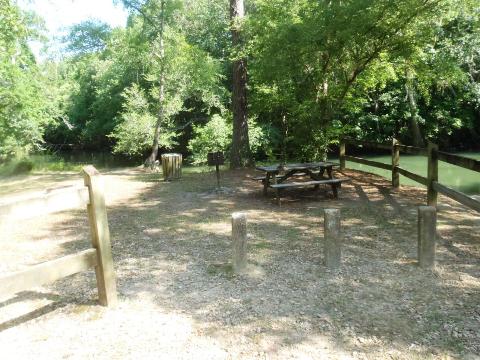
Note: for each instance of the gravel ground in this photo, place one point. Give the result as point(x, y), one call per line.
point(180, 300)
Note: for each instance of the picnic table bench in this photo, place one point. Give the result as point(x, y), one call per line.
point(277, 181)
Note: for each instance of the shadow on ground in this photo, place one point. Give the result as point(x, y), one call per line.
point(171, 243)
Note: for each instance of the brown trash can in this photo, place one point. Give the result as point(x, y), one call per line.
point(172, 166)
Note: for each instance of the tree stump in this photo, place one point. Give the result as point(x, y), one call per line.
point(172, 166)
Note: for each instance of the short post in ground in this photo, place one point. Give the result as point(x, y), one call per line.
point(239, 241)
point(427, 233)
point(332, 238)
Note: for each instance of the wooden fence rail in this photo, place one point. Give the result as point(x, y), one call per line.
point(467, 163)
point(50, 201)
point(431, 181)
point(412, 176)
point(98, 257)
point(368, 162)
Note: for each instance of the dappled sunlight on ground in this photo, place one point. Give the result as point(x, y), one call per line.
point(180, 298)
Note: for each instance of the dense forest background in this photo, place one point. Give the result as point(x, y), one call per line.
point(317, 70)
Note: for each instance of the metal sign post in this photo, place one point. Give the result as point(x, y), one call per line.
point(217, 159)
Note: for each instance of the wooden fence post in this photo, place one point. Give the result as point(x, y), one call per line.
point(432, 173)
point(342, 154)
point(239, 241)
point(427, 231)
point(395, 163)
point(97, 215)
point(333, 238)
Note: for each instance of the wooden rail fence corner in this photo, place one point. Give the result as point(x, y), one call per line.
point(97, 216)
point(99, 256)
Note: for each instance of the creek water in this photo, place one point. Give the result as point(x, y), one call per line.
point(452, 176)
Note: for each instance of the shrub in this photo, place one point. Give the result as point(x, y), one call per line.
point(215, 136)
point(24, 166)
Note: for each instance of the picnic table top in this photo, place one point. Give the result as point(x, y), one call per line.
point(299, 166)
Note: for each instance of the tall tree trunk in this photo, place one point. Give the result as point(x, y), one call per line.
point(412, 103)
point(284, 138)
point(161, 93)
point(241, 154)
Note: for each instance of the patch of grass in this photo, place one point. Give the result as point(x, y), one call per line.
point(262, 245)
point(454, 344)
point(199, 169)
point(221, 269)
point(38, 163)
point(12, 168)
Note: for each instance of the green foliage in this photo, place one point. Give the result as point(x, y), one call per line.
point(313, 62)
point(134, 133)
point(189, 73)
point(87, 37)
point(372, 69)
point(215, 136)
point(25, 110)
point(435, 86)
point(206, 24)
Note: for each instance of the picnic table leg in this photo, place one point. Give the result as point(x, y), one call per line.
point(335, 191)
point(265, 184)
point(277, 191)
point(330, 172)
point(321, 173)
point(285, 176)
point(334, 186)
point(313, 176)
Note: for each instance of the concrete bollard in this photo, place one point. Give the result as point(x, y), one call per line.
point(427, 232)
point(333, 238)
point(239, 241)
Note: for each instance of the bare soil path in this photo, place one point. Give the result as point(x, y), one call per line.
point(180, 300)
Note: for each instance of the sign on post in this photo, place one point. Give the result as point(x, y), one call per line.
point(216, 159)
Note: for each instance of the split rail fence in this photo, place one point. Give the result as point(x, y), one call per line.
point(433, 154)
point(99, 256)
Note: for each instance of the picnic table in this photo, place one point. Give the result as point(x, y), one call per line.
point(276, 176)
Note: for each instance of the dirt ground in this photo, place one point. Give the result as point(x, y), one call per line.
point(180, 300)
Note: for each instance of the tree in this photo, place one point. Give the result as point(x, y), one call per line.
point(24, 106)
point(373, 69)
point(428, 93)
point(240, 143)
point(316, 52)
point(177, 69)
point(87, 37)
point(161, 88)
point(133, 134)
